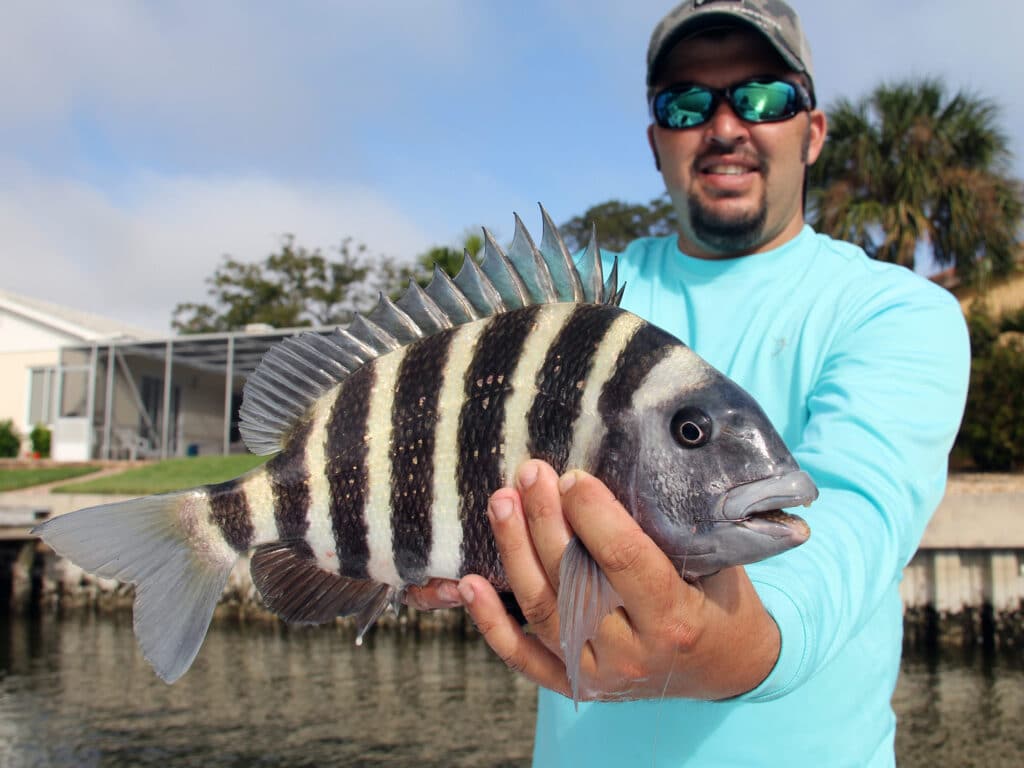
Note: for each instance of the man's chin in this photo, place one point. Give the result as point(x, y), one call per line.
point(733, 234)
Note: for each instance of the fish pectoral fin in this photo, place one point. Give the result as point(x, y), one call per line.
point(585, 597)
point(295, 587)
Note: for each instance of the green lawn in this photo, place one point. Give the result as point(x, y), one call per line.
point(170, 475)
point(12, 479)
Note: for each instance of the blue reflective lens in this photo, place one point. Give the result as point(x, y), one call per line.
point(757, 101)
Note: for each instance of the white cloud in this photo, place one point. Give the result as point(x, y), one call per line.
point(220, 77)
point(70, 243)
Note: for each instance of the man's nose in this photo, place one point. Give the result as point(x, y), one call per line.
point(725, 127)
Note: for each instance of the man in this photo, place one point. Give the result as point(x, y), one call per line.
point(862, 368)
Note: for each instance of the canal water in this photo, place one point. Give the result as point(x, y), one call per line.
point(76, 692)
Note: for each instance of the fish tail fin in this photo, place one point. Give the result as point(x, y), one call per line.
point(157, 544)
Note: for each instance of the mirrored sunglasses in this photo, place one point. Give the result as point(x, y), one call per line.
point(760, 100)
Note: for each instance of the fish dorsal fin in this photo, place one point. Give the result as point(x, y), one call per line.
point(299, 370)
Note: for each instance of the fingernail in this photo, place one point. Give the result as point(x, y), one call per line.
point(501, 508)
point(467, 593)
point(566, 481)
point(449, 594)
point(527, 474)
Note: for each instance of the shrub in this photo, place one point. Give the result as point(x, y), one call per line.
point(10, 440)
point(992, 433)
point(40, 437)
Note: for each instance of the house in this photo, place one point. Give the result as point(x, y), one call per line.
point(100, 387)
point(31, 335)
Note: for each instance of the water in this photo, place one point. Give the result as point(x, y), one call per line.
point(77, 693)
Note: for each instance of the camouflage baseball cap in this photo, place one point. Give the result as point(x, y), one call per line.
point(772, 18)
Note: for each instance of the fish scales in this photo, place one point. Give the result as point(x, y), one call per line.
point(560, 383)
point(320, 533)
point(550, 324)
point(229, 509)
point(289, 481)
point(379, 478)
point(481, 433)
point(347, 451)
point(446, 521)
point(589, 428)
point(648, 346)
point(259, 494)
point(414, 419)
point(390, 437)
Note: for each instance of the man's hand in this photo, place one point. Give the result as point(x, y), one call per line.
point(711, 640)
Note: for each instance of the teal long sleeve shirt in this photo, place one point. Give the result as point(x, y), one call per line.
point(862, 367)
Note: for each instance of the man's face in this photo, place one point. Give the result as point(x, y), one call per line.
point(737, 187)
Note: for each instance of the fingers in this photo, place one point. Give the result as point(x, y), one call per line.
point(523, 567)
point(646, 580)
point(522, 653)
point(541, 501)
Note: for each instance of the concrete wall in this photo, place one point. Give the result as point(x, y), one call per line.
point(951, 580)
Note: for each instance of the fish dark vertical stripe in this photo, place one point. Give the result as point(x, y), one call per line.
point(481, 423)
point(617, 456)
point(346, 470)
point(289, 481)
point(413, 424)
point(561, 380)
point(229, 510)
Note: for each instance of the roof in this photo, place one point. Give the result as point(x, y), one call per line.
point(85, 325)
point(209, 351)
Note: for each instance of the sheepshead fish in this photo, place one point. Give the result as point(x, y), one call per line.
point(391, 434)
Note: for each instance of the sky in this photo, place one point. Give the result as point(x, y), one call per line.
point(140, 142)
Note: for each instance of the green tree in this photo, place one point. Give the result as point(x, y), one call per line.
point(910, 165)
point(448, 258)
point(618, 223)
point(292, 287)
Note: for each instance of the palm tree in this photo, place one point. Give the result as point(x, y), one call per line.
point(907, 167)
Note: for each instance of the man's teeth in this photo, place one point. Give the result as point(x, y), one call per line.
point(728, 170)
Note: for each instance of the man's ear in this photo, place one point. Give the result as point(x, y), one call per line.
point(816, 132)
point(654, 147)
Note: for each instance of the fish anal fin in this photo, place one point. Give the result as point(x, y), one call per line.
point(295, 587)
point(585, 597)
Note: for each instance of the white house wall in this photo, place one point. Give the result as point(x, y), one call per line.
point(14, 384)
point(20, 334)
point(24, 344)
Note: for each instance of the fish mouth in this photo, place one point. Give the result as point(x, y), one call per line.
point(777, 524)
point(747, 501)
point(758, 506)
point(747, 524)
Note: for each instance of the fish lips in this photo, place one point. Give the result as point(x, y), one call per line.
point(758, 505)
point(748, 525)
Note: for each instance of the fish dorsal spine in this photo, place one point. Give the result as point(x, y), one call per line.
point(294, 373)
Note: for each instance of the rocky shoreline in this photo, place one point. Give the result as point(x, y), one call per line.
point(46, 584)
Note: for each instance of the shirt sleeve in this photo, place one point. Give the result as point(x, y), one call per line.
point(882, 417)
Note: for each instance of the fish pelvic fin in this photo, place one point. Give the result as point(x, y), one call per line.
point(297, 589)
point(154, 544)
point(585, 597)
point(299, 370)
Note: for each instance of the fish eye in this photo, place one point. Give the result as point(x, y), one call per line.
point(691, 427)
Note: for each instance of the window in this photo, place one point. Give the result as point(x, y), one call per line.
point(42, 396)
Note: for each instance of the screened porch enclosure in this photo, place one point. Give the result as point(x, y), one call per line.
point(154, 399)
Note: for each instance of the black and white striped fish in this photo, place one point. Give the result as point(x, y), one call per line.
point(390, 436)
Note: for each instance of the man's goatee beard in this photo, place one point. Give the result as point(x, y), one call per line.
point(727, 234)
